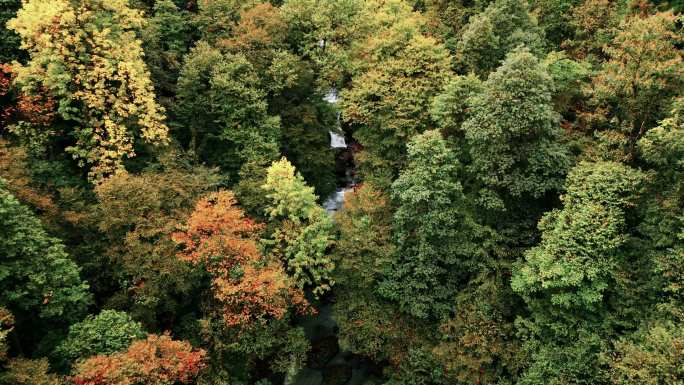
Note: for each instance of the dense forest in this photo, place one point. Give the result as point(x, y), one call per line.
point(341, 192)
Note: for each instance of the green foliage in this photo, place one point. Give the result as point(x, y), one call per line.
point(555, 19)
point(438, 241)
point(166, 39)
point(22, 371)
point(581, 244)
point(574, 363)
point(338, 24)
point(224, 111)
point(642, 75)
point(135, 216)
point(234, 354)
point(651, 356)
point(306, 140)
point(37, 277)
point(513, 133)
point(570, 279)
point(9, 40)
point(303, 229)
point(517, 213)
point(450, 109)
point(367, 324)
point(108, 332)
point(477, 344)
point(390, 96)
point(662, 149)
point(492, 34)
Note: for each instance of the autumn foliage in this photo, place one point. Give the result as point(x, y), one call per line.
point(249, 286)
point(158, 360)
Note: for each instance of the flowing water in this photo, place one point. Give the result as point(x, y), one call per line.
point(327, 363)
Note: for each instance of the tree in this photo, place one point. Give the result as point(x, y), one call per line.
point(477, 345)
point(580, 248)
point(594, 23)
point(249, 287)
point(650, 356)
point(22, 371)
point(513, 133)
point(6, 327)
point(109, 332)
point(491, 35)
point(9, 48)
point(438, 240)
point(260, 36)
point(642, 75)
point(555, 19)
point(450, 109)
point(303, 230)
point(166, 39)
point(37, 277)
point(325, 34)
point(87, 57)
point(389, 98)
point(661, 151)
point(133, 219)
point(157, 360)
point(570, 280)
point(224, 110)
point(368, 324)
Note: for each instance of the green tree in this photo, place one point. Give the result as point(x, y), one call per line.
point(570, 280)
point(224, 111)
point(10, 41)
point(494, 33)
point(478, 344)
point(368, 323)
point(22, 371)
point(108, 332)
point(662, 150)
point(37, 277)
point(326, 33)
point(303, 230)
point(555, 19)
point(438, 241)
point(638, 82)
point(86, 55)
point(650, 356)
point(513, 133)
point(389, 98)
point(133, 220)
point(166, 39)
point(450, 109)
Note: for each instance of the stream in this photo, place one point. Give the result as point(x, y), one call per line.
point(327, 363)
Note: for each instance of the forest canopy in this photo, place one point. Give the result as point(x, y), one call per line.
point(341, 192)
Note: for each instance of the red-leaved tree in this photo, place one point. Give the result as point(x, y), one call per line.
point(158, 360)
point(248, 286)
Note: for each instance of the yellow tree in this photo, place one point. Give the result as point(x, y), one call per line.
point(86, 55)
point(643, 74)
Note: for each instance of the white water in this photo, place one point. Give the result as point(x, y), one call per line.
point(336, 200)
point(332, 96)
point(337, 140)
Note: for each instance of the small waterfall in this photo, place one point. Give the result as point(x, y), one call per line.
point(332, 97)
point(336, 200)
point(337, 140)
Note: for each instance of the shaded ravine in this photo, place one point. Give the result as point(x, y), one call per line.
point(328, 363)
